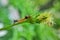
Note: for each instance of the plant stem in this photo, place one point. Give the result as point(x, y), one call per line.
point(10, 26)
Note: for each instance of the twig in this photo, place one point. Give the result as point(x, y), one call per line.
point(10, 26)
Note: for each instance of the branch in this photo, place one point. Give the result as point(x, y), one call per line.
point(17, 22)
point(10, 26)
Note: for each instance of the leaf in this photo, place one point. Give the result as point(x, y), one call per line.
point(44, 32)
point(15, 34)
point(28, 31)
point(4, 16)
point(25, 6)
point(56, 6)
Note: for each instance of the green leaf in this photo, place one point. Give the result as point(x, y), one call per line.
point(15, 34)
point(7, 36)
point(25, 6)
point(28, 31)
point(44, 32)
point(4, 16)
point(56, 6)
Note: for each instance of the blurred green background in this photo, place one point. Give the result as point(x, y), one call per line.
point(11, 10)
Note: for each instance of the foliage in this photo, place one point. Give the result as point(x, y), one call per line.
point(31, 29)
